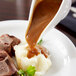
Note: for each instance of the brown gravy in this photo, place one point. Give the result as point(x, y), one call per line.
point(36, 51)
point(43, 14)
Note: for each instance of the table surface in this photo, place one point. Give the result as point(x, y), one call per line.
point(19, 10)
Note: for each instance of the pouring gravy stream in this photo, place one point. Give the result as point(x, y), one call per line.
point(44, 12)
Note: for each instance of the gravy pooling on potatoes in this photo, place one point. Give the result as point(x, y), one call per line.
point(36, 51)
point(44, 12)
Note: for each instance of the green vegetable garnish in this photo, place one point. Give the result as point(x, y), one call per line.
point(30, 71)
point(40, 42)
point(21, 73)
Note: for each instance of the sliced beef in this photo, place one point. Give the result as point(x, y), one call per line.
point(7, 67)
point(7, 42)
point(16, 41)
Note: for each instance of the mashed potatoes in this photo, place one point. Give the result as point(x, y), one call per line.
point(41, 63)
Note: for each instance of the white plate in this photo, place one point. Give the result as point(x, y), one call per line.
point(62, 50)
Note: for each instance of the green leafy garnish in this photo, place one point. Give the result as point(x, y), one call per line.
point(40, 42)
point(30, 71)
point(21, 73)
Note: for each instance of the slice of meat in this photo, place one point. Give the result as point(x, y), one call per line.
point(7, 67)
point(7, 42)
point(16, 41)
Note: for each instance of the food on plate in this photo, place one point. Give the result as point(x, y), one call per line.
point(32, 58)
point(38, 57)
point(31, 61)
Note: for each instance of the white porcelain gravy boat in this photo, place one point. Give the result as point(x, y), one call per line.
point(61, 14)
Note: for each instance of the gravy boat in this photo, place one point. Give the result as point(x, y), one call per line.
point(60, 15)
